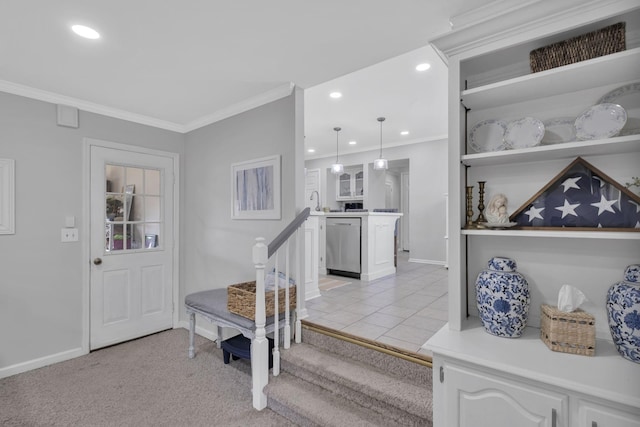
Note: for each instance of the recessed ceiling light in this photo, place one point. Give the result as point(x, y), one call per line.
point(311, 150)
point(352, 142)
point(404, 132)
point(335, 95)
point(423, 67)
point(86, 32)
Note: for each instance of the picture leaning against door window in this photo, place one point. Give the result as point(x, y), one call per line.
point(255, 189)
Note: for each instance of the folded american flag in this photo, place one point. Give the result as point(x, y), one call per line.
point(581, 196)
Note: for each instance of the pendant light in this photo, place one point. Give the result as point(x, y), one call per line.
point(380, 163)
point(337, 167)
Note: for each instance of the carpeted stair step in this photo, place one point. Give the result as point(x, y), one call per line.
point(309, 405)
point(411, 371)
point(399, 400)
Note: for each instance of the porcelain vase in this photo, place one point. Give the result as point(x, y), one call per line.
point(503, 298)
point(623, 312)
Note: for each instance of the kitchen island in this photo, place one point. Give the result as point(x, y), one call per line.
point(377, 242)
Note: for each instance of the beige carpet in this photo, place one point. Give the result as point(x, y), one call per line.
point(327, 283)
point(146, 382)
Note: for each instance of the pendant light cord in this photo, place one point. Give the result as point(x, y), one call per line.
point(337, 129)
point(381, 119)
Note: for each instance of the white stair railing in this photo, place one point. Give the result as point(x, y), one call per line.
point(260, 344)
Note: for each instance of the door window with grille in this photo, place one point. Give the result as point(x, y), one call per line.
point(133, 214)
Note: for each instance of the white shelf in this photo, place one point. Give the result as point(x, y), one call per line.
point(567, 150)
point(564, 234)
point(618, 67)
point(606, 374)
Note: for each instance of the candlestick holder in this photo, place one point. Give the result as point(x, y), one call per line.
point(481, 218)
point(469, 223)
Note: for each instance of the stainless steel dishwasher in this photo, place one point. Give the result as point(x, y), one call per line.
point(343, 246)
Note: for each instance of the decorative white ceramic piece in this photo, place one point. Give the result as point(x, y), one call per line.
point(499, 224)
point(600, 121)
point(524, 133)
point(559, 130)
point(628, 97)
point(488, 135)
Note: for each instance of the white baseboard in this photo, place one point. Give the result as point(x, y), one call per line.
point(41, 362)
point(210, 335)
point(427, 261)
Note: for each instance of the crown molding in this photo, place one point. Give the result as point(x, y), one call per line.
point(242, 106)
point(517, 23)
point(487, 12)
point(55, 98)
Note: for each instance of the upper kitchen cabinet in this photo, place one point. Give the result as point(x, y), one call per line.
point(350, 184)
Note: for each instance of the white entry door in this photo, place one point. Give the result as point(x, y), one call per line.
point(132, 229)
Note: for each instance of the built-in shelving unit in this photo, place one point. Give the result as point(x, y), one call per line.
point(591, 260)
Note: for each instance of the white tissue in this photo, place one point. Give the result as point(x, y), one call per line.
point(570, 298)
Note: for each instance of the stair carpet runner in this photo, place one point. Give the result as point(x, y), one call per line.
point(326, 381)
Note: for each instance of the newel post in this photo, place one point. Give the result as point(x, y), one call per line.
point(260, 344)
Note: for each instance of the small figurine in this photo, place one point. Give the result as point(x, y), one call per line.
point(496, 211)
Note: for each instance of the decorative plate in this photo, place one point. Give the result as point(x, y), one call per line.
point(524, 133)
point(558, 130)
point(499, 224)
point(600, 121)
point(488, 135)
point(628, 97)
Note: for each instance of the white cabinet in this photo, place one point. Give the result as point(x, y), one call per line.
point(489, 78)
point(350, 184)
point(483, 380)
point(592, 414)
point(312, 256)
point(478, 399)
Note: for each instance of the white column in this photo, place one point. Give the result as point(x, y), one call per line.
point(260, 345)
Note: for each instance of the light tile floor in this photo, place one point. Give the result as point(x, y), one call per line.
point(402, 310)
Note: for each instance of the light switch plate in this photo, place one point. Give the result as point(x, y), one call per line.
point(69, 235)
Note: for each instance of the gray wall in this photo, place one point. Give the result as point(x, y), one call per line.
point(428, 184)
point(41, 278)
point(217, 249)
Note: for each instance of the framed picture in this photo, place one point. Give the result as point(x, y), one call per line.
point(7, 196)
point(255, 189)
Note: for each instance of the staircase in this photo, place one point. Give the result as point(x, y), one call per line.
point(327, 381)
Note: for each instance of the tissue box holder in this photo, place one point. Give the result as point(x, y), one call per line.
point(573, 332)
point(241, 300)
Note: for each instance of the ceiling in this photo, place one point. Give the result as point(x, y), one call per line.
point(180, 65)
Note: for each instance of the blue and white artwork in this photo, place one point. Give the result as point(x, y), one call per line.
point(581, 196)
point(256, 189)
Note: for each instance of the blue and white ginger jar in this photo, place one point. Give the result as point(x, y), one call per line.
point(503, 298)
point(623, 311)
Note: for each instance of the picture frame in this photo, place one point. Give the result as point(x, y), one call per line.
point(7, 196)
point(255, 189)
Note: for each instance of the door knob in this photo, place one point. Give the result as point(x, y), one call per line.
point(97, 261)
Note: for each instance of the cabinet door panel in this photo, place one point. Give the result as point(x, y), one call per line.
point(593, 415)
point(479, 400)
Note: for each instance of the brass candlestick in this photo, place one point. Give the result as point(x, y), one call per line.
point(469, 223)
point(481, 217)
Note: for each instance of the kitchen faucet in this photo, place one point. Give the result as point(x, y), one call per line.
point(317, 199)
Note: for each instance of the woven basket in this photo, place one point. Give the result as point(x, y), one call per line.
point(241, 300)
point(573, 332)
point(602, 42)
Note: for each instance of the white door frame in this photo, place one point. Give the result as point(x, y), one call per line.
point(87, 143)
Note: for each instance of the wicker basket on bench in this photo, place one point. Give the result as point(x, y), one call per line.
point(241, 300)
